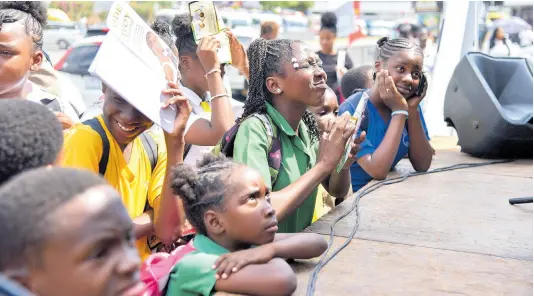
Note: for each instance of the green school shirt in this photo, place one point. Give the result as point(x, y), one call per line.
point(193, 275)
point(298, 157)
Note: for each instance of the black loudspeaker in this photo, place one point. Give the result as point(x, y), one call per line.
point(489, 103)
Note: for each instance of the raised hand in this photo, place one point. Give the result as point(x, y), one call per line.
point(183, 109)
point(333, 141)
point(207, 53)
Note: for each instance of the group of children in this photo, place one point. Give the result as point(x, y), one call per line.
point(72, 232)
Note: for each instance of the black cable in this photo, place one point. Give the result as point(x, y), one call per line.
point(355, 207)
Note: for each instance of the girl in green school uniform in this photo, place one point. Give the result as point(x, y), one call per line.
point(229, 205)
point(285, 79)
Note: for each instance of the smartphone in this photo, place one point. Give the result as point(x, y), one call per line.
point(421, 87)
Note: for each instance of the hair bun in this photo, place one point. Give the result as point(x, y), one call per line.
point(382, 41)
point(34, 8)
point(329, 20)
point(181, 25)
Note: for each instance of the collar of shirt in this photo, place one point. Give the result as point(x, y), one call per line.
point(205, 245)
point(192, 96)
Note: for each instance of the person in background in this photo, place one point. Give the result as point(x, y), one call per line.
point(329, 55)
point(21, 42)
point(30, 137)
point(323, 114)
point(429, 50)
point(396, 125)
point(269, 30)
point(500, 45)
point(214, 111)
point(237, 249)
point(65, 232)
point(356, 80)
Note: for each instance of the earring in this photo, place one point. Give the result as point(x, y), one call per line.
point(374, 74)
point(410, 87)
point(278, 91)
point(295, 64)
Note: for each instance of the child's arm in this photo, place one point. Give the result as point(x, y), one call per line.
point(285, 245)
point(378, 164)
point(205, 132)
point(168, 208)
point(273, 278)
point(379, 161)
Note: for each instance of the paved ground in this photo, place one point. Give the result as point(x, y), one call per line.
point(446, 233)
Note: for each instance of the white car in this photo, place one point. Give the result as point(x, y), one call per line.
point(61, 34)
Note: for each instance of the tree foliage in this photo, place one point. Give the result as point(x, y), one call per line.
point(297, 5)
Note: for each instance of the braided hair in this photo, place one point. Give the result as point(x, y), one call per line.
point(267, 57)
point(390, 47)
point(202, 188)
point(32, 14)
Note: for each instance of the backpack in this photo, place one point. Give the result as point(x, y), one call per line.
point(150, 146)
point(156, 270)
point(274, 154)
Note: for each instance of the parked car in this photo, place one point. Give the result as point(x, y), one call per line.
point(75, 65)
point(61, 34)
point(98, 30)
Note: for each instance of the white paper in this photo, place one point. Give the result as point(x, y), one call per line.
point(136, 63)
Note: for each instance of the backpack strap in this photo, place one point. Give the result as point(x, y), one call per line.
point(97, 127)
point(274, 154)
point(151, 148)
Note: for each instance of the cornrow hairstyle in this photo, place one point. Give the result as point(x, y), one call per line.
point(390, 47)
point(164, 32)
point(28, 206)
point(30, 137)
point(32, 14)
point(266, 58)
point(185, 41)
point(329, 22)
point(203, 188)
point(355, 80)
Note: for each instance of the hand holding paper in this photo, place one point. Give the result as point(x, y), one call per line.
point(179, 102)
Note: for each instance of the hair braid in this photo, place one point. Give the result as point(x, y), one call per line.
point(390, 47)
point(203, 188)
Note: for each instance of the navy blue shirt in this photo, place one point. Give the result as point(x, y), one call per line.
point(376, 130)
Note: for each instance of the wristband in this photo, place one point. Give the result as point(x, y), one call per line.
point(400, 112)
point(215, 70)
point(218, 96)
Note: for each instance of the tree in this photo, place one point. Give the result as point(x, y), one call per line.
point(297, 5)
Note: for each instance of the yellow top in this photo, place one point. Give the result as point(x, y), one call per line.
point(134, 180)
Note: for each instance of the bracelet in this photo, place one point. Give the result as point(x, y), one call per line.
point(215, 70)
point(218, 96)
point(400, 112)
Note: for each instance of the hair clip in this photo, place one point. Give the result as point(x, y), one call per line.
point(295, 64)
